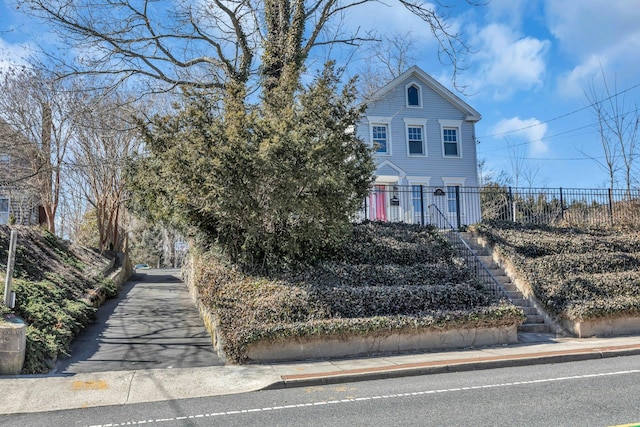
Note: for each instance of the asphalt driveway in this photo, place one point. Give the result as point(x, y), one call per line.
point(151, 324)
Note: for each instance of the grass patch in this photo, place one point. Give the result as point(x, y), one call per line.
point(576, 273)
point(387, 278)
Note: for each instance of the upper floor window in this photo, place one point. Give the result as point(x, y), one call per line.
point(413, 95)
point(451, 138)
point(416, 143)
point(380, 134)
point(416, 137)
point(380, 139)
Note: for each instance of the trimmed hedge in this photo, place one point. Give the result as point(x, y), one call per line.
point(421, 284)
point(576, 273)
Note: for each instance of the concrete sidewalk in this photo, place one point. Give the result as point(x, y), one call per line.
point(47, 393)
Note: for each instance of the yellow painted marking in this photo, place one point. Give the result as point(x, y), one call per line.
point(89, 385)
point(628, 425)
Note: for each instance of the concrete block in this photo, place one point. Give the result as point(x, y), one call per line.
point(317, 347)
point(603, 327)
point(13, 343)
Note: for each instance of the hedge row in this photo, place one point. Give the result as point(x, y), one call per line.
point(576, 273)
point(421, 284)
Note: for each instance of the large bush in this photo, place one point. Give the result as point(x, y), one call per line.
point(270, 186)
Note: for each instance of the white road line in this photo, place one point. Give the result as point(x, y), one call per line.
point(360, 399)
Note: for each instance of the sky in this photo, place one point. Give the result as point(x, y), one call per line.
point(532, 64)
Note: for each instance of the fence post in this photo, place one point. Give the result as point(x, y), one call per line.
point(422, 205)
point(611, 206)
point(512, 203)
point(457, 187)
point(366, 210)
point(561, 205)
point(9, 296)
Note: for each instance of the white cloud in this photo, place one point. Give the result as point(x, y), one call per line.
point(600, 35)
point(508, 62)
point(523, 131)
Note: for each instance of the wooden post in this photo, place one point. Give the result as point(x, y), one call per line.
point(9, 296)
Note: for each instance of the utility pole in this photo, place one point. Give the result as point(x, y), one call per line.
point(9, 296)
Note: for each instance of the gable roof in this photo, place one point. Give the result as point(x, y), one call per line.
point(471, 114)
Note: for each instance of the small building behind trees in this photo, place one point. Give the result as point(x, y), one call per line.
point(19, 198)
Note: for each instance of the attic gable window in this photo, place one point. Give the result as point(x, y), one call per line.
point(413, 93)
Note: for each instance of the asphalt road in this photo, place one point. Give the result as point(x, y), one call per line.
point(152, 323)
point(600, 392)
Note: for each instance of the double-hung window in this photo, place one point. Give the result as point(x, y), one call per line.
point(4, 210)
point(452, 199)
point(380, 129)
point(416, 143)
point(417, 202)
point(451, 138)
point(380, 138)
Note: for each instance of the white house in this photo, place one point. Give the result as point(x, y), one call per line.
point(425, 151)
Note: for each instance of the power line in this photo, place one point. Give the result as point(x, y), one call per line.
point(561, 116)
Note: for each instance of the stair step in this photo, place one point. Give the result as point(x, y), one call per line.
point(534, 318)
point(534, 327)
point(514, 295)
point(534, 323)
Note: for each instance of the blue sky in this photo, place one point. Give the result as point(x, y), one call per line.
point(533, 61)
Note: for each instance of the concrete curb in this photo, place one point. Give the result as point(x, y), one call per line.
point(448, 366)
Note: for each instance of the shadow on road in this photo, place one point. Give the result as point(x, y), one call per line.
point(151, 324)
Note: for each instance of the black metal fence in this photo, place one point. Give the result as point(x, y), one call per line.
point(417, 204)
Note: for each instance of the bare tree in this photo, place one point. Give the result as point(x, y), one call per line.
point(42, 110)
point(215, 44)
point(387, 59)
point(520, 169)
point(106, 138)
point(617, 123)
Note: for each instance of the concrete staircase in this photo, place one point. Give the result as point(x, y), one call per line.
point(535, 322)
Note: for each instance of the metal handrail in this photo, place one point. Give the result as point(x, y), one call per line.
point(480, 270)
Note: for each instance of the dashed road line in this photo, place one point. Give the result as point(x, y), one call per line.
point(360, 399)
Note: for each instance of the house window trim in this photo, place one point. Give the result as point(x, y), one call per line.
point(380, 121)
point(406, 94)
point(408, 122)
point(451, 124)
